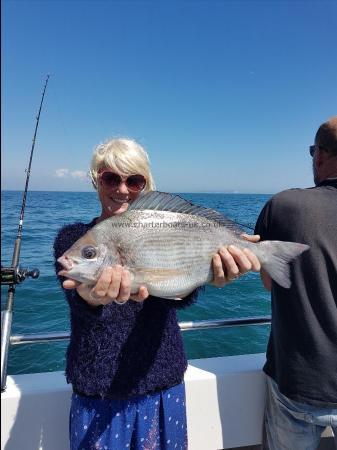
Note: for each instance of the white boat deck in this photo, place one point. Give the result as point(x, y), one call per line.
point(225, 398)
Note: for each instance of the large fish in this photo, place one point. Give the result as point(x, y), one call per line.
point(167, 244)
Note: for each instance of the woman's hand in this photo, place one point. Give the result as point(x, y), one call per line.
point(114, 284)
point(231, 262)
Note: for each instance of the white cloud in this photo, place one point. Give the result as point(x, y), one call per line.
point(66, 173)
point(79, 174)
point(61, 173)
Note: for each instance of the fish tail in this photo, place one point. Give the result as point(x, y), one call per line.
point(276, 258)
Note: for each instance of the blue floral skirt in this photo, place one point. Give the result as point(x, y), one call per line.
point(156, 421)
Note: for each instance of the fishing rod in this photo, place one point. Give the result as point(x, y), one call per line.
point(14, 274)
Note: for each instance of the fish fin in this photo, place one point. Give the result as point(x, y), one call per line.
point(163, 201)
point(279, 256)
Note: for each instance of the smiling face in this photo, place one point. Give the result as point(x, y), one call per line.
point(115, 200)
point(119, 170)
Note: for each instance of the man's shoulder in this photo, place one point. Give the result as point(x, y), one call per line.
point(293, 196)
point(294, 209)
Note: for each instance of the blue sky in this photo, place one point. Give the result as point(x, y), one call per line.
point(225, 96)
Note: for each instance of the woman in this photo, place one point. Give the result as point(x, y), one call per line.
point(126, 363)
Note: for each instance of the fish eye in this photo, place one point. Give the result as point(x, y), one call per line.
point(89, 252)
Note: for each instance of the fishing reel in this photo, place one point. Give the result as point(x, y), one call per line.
point(16, 275)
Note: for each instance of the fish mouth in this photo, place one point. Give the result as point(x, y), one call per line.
point(63, 273)
point(66, 263)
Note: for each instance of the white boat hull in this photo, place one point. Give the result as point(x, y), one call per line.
point(225, 400)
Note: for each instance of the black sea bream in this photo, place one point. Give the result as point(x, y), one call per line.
point(167, 244)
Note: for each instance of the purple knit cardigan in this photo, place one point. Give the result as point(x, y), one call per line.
point(119, 351)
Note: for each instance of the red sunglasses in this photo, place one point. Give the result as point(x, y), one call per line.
point(112, 180)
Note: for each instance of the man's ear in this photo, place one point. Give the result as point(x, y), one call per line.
point(321, 157)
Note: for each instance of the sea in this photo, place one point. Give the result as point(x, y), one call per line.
point(40, 307)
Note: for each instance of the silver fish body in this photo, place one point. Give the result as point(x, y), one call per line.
point(167, 244)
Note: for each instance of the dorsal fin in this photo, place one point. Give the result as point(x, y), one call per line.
point(163, 201)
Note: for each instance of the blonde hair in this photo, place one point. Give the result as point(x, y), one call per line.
point(124, 156)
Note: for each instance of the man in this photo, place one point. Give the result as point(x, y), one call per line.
point(301, 364)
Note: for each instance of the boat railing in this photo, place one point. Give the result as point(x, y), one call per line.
point(184, 326)
point(65, 335)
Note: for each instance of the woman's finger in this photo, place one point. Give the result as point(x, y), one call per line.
point(219, 277)
point(251, 237)
point(142, 294)
point(70, 284)
point(241, 260)
point(101, 287)
point(254, 260)
point(114, 282)
point(230, 266)
point(125, 287)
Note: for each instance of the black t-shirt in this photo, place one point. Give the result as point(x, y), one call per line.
point(302, 347)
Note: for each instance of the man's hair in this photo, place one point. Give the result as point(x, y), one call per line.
point(326, 136)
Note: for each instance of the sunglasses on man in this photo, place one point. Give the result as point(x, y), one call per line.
point(313, 148)
point(112, 180)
